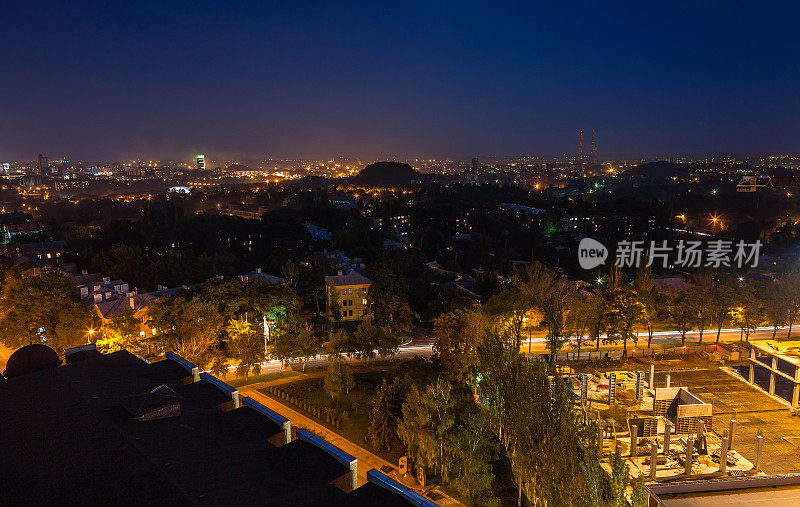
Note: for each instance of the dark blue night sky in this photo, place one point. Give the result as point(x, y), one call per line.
point(146, 79)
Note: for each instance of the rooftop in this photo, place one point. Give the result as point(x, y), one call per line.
point(123, 304)
point(70, 440)
point(352, 277)
point(789, 351)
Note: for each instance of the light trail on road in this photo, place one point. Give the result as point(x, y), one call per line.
point(410, 349)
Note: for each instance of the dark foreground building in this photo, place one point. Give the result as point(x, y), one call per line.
point(116, 430)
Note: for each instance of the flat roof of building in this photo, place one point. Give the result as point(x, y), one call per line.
point(789, 351)
point(756, 490)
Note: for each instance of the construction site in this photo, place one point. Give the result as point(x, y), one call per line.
point(718, 425)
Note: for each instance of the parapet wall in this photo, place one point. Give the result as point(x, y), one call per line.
point(682, 408)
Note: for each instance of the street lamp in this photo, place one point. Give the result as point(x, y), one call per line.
point(267, 324)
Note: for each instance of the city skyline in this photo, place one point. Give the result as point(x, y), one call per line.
point(308, 81)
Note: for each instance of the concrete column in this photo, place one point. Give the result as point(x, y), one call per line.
point(287, 431)
point(689, 451)
point(759, 445)
point(667, 380)
point(723, 456)
point(235, 398)
point(772, 375)
point(353, 475)
point(731, 433)
point(796, 388)
point(584, 388)
point(612, 388)
point(667, 437)
point(639, 385)
point(195, 374)
point(652, 384)
point(751, 375)
point(634, 440)
point(701, 427)
point(653, 459)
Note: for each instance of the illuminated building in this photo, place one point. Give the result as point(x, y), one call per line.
point(351, 288)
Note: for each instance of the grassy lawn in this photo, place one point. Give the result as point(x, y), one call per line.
point(264, 377)
point(354, 407)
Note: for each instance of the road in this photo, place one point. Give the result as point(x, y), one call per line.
point(692, 337)
point(423, 346)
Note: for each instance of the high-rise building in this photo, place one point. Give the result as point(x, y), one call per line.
point(201, 162)
point(580, 145)
point(44, 165)
point(6, 167)
point(593, 149)
point(475, 168)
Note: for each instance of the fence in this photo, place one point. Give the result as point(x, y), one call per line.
point(593, 355)
point(335, 421)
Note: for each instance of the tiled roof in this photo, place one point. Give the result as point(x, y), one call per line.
point(264, 276)
point(350, 278)
point(122, 304)
point(43, 247)
point(86, 279)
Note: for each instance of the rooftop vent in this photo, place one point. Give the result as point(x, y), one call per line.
point(160, 403)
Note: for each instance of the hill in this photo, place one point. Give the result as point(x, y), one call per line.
point(237, 167)
point(661, 170)
point(386, 174)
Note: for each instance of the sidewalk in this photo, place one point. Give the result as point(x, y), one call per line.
point(366, 459)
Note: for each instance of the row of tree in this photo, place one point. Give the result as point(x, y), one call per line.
point(523, 413)
point(219, 324)
point(461, 421)
point(618, 308)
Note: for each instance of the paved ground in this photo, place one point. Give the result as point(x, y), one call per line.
point(754, 410)
point(731, 397)
point(366, 459)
